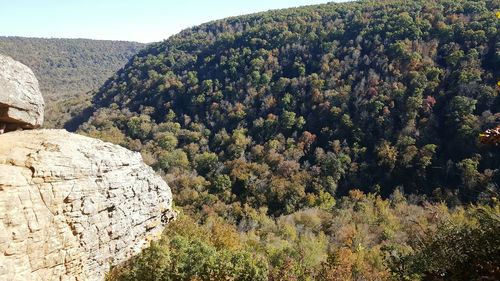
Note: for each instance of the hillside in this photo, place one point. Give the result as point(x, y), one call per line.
point(257, 117)
point(67, 69)
point(319, 96)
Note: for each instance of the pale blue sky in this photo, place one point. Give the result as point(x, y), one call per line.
point(134, 20)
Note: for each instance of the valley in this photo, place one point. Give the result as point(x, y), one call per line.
point(341, 141)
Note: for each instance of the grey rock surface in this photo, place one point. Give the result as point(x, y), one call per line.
point(71, 206)
point(21, 103)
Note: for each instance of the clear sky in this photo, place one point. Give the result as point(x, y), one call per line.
point(132, 20)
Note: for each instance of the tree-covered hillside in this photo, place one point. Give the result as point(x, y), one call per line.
point(67, 69)
point(262, 123)
point(279, 108)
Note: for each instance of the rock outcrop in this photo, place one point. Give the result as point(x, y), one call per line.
point(71, 206)
point(21, 103)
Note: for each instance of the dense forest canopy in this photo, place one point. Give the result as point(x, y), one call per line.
point(279, 108)
point(68, 69)
point(307, 143)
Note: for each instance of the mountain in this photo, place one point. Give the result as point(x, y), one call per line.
point(259, 119)
point(321, 97)
point(68, 69)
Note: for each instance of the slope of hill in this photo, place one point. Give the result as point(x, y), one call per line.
point(277, 112)
point(321, 97)
point(67, 69)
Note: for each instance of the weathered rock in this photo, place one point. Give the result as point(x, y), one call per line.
point(21, 103)
point(71, 206)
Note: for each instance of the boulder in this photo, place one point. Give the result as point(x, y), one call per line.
point(21, 103)
point(72, 206)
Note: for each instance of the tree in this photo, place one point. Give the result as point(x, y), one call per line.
point(205, 162)
point(176, 158)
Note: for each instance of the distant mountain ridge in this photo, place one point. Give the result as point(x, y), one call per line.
point(68, 67)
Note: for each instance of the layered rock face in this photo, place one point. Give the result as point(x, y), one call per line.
point(21, 103)
point(71, 206)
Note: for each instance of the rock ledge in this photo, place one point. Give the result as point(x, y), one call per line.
point(21, 103)
point(71, 206)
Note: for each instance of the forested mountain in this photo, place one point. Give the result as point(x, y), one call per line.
point(280, 113)
point(319, 97)
point(68, 69)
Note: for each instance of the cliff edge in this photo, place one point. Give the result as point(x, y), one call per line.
point(71, 206)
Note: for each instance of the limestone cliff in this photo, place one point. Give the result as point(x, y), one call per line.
point(71, 206)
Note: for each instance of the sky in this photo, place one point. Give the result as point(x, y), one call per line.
point(131, 20)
